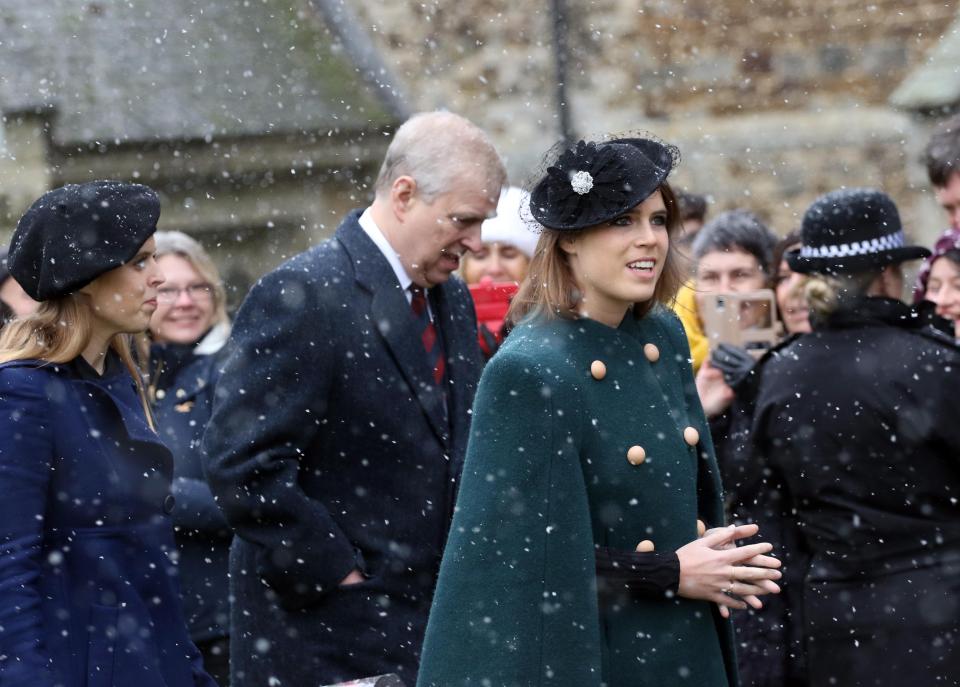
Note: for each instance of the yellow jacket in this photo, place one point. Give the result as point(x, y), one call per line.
point(686, 308)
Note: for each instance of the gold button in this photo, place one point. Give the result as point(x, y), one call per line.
point(598, 369)
point(636, 455)
point(691, 436)
point(701, 528)
point(646, 546)
point(652, 352)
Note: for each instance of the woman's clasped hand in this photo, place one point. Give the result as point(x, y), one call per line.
point(714, 568)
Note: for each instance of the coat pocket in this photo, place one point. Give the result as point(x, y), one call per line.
point(102, 645)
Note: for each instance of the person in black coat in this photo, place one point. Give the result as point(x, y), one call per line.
point(341, 419)
point(857, 423)
point(188, 331)
point(88, 581)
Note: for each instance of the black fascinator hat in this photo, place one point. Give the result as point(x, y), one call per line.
point(596, 181)
point(849, 231)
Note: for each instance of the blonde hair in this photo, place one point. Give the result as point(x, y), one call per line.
point(58, 332)
point(186, 247)
point(827, 293)
point(551, 291)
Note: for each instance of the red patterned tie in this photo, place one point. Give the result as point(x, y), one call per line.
point(428, 333)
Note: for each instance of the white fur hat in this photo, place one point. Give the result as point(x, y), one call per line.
point(508, 226)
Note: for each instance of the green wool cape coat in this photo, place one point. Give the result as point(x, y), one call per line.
point(546, 479)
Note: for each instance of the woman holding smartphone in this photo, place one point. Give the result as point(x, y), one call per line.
point(88, 594)
point(578, 553)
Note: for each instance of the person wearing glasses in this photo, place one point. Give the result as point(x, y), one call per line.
point(188, 330)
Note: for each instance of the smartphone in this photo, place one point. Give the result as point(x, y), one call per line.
point(748, 320)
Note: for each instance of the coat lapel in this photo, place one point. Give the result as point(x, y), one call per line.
point(395, 322)
point(123, 395)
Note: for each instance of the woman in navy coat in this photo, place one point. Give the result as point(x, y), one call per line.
point(88, 594)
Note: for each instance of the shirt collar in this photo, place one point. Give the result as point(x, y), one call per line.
point(373, 231)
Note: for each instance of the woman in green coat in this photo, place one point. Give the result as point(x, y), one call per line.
point(578, 554)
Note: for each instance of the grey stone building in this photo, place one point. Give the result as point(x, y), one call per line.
point(250, 117)
point(254, 120)
point(929, 93)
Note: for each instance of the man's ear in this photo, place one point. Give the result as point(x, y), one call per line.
point(403, 194)
point(568, 244)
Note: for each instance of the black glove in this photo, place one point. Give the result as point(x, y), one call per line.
point(734, 362)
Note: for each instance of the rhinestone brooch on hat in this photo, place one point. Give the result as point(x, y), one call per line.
point(581, 182)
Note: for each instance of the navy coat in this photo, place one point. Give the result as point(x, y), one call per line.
point(183, 380)
point(330, 449)
point(88, 594)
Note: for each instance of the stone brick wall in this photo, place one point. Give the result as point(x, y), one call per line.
point(732, 56)
point(771, 101)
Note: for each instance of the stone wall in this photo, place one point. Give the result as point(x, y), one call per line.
point(771, 101)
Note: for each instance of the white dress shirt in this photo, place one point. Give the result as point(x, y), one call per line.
point(373, 231)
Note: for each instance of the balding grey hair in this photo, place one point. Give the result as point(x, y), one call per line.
point(437, 149)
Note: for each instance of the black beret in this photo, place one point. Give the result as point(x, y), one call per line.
point(849, 231)
point(594, 182)
point(73, 234)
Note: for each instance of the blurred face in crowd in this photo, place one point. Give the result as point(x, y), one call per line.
point(790, 299)
point(943, 288)
point(13, 295)
point(690, 227)
point(949, 198)
point(498, 261)
point(124, 298)
point(733, 271)
point(433, 235)
point(185, 305)
point(618, 263)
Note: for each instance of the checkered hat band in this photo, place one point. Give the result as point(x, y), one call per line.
point(846, 250)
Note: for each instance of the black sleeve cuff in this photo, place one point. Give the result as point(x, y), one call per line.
point(655, 574)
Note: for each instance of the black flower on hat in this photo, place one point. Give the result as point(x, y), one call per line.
point(594, 182)
point(588, 179)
